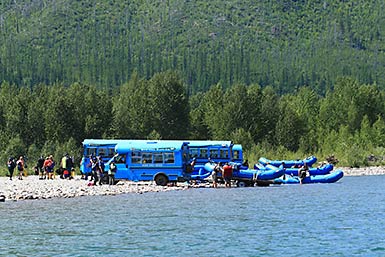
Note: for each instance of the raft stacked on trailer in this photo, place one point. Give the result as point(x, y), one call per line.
point(322, 174)
point(249, 177)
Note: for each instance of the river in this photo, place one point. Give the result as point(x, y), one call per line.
point(341, 219)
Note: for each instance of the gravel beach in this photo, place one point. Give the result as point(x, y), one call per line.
point(364, 171)
point(32, 188)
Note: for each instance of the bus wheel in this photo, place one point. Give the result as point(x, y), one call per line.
point(161, 180)
point(241, 184)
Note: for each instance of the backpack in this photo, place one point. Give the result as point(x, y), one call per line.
point(11, 164)
point(20, 166)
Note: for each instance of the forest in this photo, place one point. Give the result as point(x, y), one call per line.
point(286, 44)
point(347, 122)
point(285, 79)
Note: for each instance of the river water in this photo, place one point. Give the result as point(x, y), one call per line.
point(341, 219)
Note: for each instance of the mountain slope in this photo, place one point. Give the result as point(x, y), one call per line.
point(286, 44)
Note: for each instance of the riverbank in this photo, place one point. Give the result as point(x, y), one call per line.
point(31, 187)
point(364, 171)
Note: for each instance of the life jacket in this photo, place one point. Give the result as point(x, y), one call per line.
point(227, 171)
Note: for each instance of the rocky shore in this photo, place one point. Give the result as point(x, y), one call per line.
point(32, 188)
point(364, 171)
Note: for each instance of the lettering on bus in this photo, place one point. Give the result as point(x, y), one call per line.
point(152, 158)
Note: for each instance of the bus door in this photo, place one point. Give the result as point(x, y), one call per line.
point(122, 170)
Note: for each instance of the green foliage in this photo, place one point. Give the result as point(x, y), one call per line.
point(56, 119)
point(166, 95)
point(284, 78)
point(287, 44)
point(243, 137)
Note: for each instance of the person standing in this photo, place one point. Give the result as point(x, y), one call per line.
point(11, 166)
point(63, 163)
point(111, 173)
point(216, 171)
point(94, 170)
point(20, 167)
point(39, 166)
point(49, 165)
point(302, 172)
point(227, 174)
point(100, 170)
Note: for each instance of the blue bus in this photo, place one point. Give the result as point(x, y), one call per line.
point(202, 151)
point(97, 147)
point(213, 151)
point(146, 160)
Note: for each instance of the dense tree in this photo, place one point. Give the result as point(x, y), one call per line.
point(169, 107)
point(286, 44)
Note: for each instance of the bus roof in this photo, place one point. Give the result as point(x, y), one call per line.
point(237, 147)
point(200, 143)
point(192, 143)
point(98, 142)
point(142, 145)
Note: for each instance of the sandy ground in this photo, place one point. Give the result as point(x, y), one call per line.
point(32, 188)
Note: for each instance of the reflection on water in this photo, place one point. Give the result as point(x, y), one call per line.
point(345, 218)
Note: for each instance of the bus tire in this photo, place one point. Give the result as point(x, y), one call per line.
point(241, 184)
point(161, 180)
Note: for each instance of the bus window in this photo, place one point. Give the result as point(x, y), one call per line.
point(213, 153)
point(102, 151)
point(111, 152)
point(147, 158)
point(91, 151)
point(203, 153)
point(136, 158)
point(169, 158)
point(158, 158)
point(193, 152)
point(120, 159)
point(236, 154)
point(224, 153)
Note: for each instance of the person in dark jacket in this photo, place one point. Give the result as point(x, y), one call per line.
point(11, 166)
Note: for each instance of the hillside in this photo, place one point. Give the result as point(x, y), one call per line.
point(286, 44)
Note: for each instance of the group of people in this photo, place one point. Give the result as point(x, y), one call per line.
point(225, 171)
point(303, 171)
point(44, 167)
point(12, 164)
point(98, 174)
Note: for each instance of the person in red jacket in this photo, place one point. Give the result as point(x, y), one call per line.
point(227, 174)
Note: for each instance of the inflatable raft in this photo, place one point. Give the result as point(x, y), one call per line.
point(288, 163)
point(329, 178)
point(251, 174)
point(202, 175)
point(326, 169)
